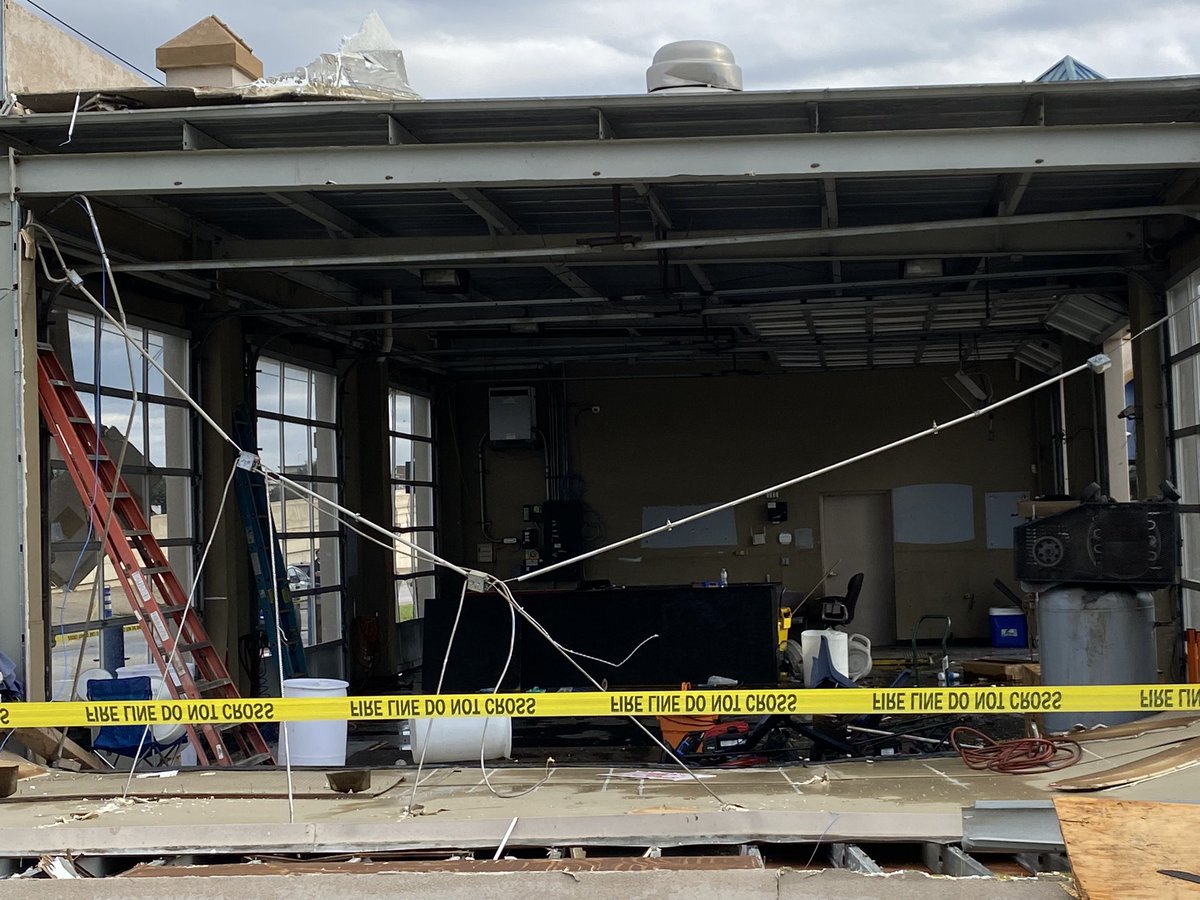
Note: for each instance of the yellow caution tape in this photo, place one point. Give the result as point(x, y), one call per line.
point(892, 701)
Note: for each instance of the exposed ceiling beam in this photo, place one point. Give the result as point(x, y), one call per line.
point(498, 220)
point(334, 220)
point(539, 255)
point(1117, 236)
point(735, 158)
point(169, 218)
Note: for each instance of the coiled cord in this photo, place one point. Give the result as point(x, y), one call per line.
point(1015, 757)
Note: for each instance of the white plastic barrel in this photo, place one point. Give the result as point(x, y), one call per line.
point(458, 740)
point(317, 743)
point(810, 647)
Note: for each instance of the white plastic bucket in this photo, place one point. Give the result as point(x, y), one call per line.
point(317, 743)
point(839, 650)
point(458, 740)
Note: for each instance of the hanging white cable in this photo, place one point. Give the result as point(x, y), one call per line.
point(279, 643)
point(97, 582)
point(462, 598)
point(506, 592)
point(187, 608)
point(815, 473)
point(74, 278)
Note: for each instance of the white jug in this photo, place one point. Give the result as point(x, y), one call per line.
point(858, 657)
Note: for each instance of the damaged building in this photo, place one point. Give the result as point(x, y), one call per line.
point(315, 382)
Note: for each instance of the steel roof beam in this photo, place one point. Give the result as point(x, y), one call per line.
point(1117, 236)
point(735, 158)
point(545, 255)
point(497, 219)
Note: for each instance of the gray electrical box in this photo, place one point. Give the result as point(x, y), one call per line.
point(510, 415)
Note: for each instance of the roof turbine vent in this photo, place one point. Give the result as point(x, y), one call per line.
point(694, 67)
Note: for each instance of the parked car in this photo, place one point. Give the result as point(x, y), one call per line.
point(299, 577)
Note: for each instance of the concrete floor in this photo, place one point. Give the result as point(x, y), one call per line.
point(247, 812)
point(781, 884)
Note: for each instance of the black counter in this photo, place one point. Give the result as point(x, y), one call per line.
point(730, 631)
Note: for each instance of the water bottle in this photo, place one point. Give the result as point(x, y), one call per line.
point(723, 581)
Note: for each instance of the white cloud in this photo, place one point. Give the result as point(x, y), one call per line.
point(473, 48)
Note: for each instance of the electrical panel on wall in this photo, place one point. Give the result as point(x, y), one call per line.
point(511, 417)
point(560, 537)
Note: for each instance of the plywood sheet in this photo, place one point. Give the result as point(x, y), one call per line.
point(1116, 847)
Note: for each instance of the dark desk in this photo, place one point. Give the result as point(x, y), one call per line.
point(729, 631)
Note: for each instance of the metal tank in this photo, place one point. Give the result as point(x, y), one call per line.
point(1095, 636)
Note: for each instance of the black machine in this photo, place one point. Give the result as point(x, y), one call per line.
point(1104, 543)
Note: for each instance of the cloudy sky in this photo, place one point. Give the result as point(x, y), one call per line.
point(512, 48)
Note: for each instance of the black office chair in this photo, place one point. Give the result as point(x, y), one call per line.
point(840, 610)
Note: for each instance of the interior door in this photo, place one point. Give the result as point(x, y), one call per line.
point(856, 536)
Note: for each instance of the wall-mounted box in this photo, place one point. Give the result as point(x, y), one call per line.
point(510, 415)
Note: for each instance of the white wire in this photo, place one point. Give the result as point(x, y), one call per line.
point(791, 482)
point(279, 644)
point(120, 461)
point(503, 587)
point(412, 727)
point(186, 610)
point(506, 592)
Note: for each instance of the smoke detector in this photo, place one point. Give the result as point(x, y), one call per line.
point(693, 67)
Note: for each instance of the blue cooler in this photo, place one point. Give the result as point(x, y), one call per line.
point(1009, 628)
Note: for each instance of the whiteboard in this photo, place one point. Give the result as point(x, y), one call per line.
point(717, 530)
point(933, 514)
point(1000, 510)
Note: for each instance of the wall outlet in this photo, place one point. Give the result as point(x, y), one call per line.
point(485, 553)
point(785, 560)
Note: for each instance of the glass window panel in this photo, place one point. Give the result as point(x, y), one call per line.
point(1187, 401)
point(1187, 462)
point(298, 554)
point(329, 617)
point(406, 605)
point(296, 393)
point(421, 424)
point(328, 562)
point(116, 356)
point(412, 460)
point(297, 516)
point(169, 436)
point(326, 517)
point(270, 441)
point(82, 333)
point(409, 560)
point(324, 399)
point(1183, 327)
point(422, 506)
point(1191, 608)
point(114, 415)
point(324, 448)
point(297, 449)
point(267, 388)
point(169, 501)
point(156, 346)
point(401, 419)
point(1189, 524)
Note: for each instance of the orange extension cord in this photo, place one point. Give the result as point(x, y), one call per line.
point(1017, 756)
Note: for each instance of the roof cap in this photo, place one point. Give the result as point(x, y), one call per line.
point(210, 42)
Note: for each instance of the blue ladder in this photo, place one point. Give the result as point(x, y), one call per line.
point(252, 502)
